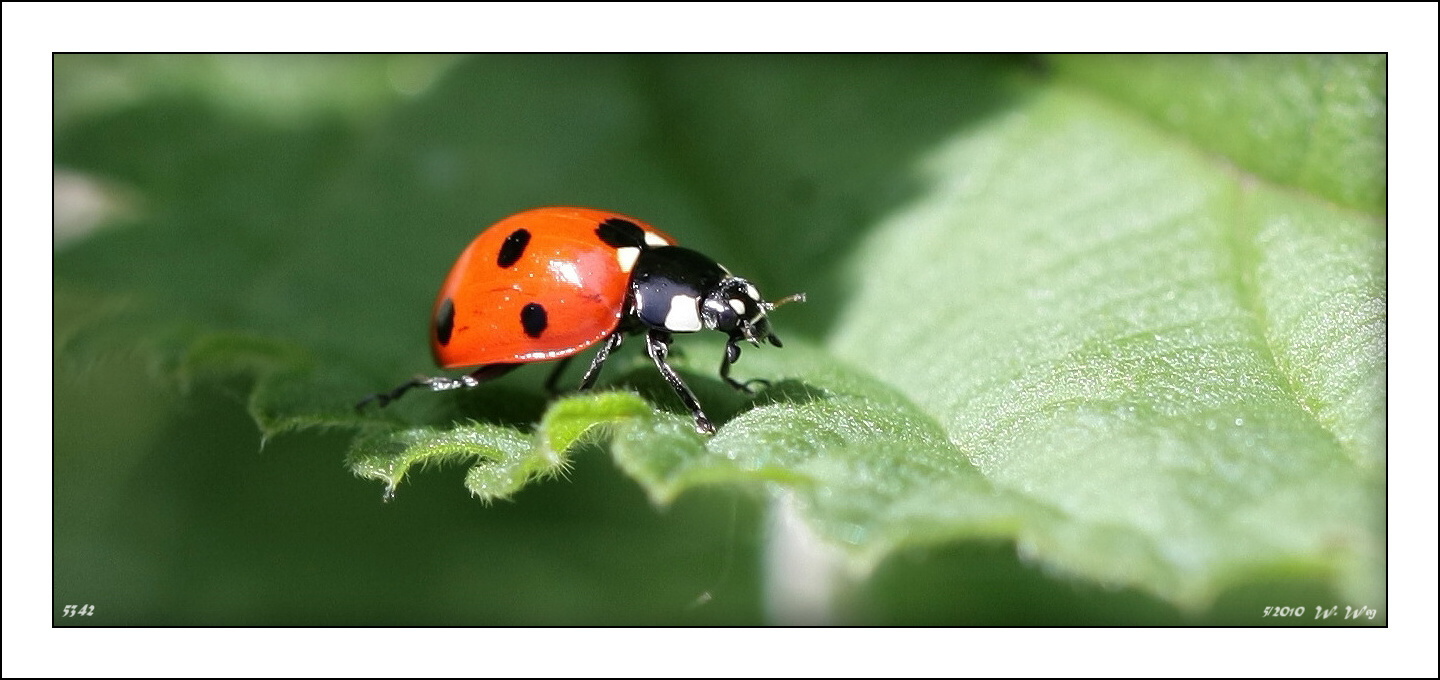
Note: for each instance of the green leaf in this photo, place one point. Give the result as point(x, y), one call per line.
point(1183, 361)
point(1314, 122)
point(1128, 312)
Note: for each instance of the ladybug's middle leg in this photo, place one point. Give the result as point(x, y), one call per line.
point(593, 373)
point(657, 345)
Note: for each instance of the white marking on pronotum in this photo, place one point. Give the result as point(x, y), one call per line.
point(627, 257)
point(738, 306)
point(655, 240)
point(684, 317)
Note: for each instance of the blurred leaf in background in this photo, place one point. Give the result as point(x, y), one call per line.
point(1089, 339)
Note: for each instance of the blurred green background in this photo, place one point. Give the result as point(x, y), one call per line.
point(182, 176)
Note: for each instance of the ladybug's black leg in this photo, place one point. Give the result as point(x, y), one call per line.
point(732, 354)
point(593, 373)
point(552, 381)
point(657, 345)
point(440, 383)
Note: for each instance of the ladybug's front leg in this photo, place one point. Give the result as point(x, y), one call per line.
point(732, 354)
point(657, 345)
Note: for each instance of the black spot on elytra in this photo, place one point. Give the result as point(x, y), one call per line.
point(445, 321)
point(618, 233)
point(513, 247)
point(534, 319)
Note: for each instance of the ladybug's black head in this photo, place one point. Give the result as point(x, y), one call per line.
point(735, 307)
point(682, 291)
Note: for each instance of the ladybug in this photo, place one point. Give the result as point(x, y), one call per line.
point(545, 284)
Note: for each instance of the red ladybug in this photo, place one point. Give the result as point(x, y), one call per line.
point(546, 283)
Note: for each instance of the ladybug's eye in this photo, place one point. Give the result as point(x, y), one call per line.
point(735, 307)
point(719, 315)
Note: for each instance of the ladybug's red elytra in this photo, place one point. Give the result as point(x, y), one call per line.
point(546, 283)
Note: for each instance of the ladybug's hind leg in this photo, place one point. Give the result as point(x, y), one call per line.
point(552, 383)
point(440, 383)
point(657, 345)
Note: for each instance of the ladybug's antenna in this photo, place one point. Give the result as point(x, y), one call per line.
point(798, 297)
